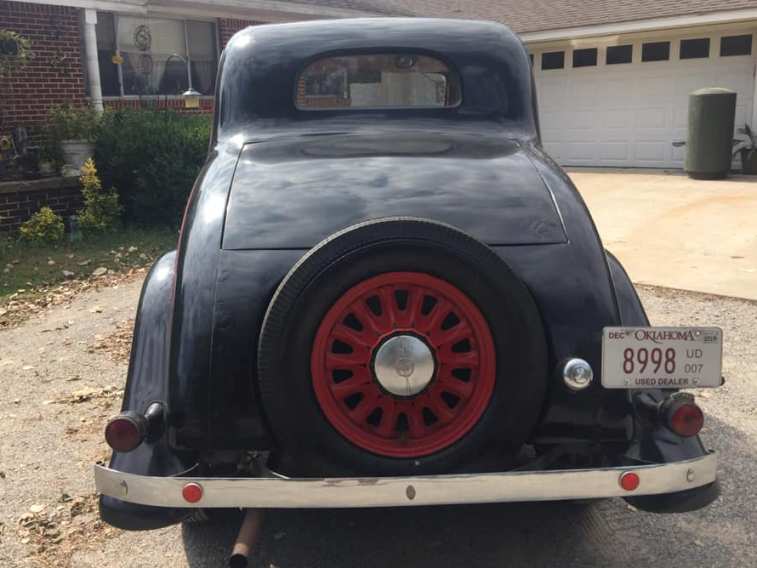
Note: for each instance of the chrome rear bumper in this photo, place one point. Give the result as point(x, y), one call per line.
point(279, 492)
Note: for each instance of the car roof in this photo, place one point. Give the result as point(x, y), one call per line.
point(260, 66)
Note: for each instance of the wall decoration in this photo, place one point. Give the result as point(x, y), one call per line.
point(143, 37)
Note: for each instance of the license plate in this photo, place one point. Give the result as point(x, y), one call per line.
point(661, 357)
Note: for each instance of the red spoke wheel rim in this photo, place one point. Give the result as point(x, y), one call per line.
point(345, 383)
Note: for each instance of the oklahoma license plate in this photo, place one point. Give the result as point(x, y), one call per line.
point(661, 357)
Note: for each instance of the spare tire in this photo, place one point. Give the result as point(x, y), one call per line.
point(399, 346)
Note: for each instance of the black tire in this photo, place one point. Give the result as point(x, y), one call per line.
point(307, 444)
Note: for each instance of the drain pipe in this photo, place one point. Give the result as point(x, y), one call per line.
point(244, 546)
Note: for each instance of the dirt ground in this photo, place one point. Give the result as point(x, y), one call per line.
point(669, 230)
point(60, 377)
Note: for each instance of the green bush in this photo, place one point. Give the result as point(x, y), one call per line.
point(153, 158)
point(45, 226)
point(66, 122)
point(101, 208)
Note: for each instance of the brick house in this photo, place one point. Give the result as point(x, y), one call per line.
point(612, 75)
point(166, 46)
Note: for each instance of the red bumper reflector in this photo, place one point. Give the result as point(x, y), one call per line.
point(192, 492)
point(629, 481)
point(687, 420)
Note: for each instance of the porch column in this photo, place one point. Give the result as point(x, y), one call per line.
point(93, 65)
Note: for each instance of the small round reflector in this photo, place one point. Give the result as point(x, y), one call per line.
point(629, 481)
point(192, 492)
point(123, 434)
point(686, 420)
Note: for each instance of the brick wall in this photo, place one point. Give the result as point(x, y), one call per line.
point(174, 103)
point(54, 76)
point(19, 200)
point(227, 27)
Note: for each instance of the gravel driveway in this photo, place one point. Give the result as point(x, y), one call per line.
point(56, 388)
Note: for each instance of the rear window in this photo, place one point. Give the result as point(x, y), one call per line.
point(388, 80)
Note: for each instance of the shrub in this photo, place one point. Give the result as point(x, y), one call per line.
point(45, 226)
point(153, 158)
point(66, 122)
point(101, 208)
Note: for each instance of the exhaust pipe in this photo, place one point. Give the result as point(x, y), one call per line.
point(244, 545)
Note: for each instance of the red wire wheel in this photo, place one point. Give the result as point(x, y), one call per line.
point(343, 361)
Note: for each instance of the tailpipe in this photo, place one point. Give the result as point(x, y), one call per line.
point(247, 538)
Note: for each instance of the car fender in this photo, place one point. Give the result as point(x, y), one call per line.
point(146, 383)
point(658, 444)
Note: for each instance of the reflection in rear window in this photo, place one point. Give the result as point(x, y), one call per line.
point(397, 80)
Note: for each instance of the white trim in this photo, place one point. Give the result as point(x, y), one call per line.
point(92, 61)
point(275, 6)
point(641, 25)
point(267, 10)
point(124, 6)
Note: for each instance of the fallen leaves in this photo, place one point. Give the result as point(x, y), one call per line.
point(56, 530)
point(24, 303)
point(87, 394)
point(118, 343)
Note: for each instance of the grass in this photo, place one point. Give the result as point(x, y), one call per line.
point(24, 266)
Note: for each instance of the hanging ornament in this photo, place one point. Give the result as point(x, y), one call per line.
point(143, 37)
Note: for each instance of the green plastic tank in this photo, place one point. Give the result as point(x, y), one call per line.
point(711, 120)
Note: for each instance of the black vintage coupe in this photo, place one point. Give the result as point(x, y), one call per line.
point(385, 293)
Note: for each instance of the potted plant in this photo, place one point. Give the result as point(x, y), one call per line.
point(48, 156)
point(747, 149)
point(75, 130)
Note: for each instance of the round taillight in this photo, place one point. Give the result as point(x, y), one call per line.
point(629, 480)
point(686, 419)
point(192, 492)
point(124, 433)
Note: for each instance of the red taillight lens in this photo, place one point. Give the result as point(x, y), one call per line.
point(124, 433)
point(629, 481)
point(686, 419)
point(192, 492)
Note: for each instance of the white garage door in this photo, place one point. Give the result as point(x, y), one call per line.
point(628, 115)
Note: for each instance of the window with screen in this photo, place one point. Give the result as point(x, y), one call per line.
point(619, 54)
point(105, 30)
point(552, 60)
point(155, 56)
point(695, 48)
point(736, 45)
point(385, 80)
point(585, 57)
point(655, 51)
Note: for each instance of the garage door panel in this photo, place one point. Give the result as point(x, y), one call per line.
point(581, 120)
point(629, 115)
point(743, 115)
point(652, 152)
point(655, 118)
point(615, 118)
point(580, 150)
point(681, 117)
point(614, 151)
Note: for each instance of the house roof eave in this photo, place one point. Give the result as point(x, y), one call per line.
point(636, 26)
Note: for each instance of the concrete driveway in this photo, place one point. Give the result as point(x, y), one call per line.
point(669, 230)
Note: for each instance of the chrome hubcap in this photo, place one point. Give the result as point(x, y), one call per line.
point(404, 365)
